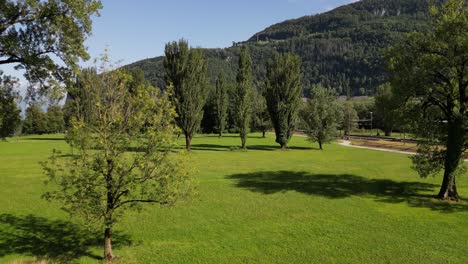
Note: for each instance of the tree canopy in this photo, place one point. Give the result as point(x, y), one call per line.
point(243, 96)
point(186, 71)
point(122, 153)
point(45, 38)
point(283, 88)
point(429, 73)
point(9, 111)
point(322, 116)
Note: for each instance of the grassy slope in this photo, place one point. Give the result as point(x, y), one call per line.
point(342, 205)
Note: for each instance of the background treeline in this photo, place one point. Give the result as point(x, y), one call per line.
point(341, 49)
point(37, 121)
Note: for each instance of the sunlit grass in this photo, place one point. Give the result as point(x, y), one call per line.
point(264, 205)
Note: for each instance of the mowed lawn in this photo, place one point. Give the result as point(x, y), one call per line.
point(264, 205)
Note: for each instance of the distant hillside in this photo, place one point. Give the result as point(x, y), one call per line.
point(342, 48)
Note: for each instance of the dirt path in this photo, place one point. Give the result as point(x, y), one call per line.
point(347, 143)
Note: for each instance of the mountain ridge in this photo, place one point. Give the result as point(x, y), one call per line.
point(342, 48)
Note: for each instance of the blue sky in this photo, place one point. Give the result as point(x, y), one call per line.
point(135, 30)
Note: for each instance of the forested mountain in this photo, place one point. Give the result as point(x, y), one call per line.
point(342, 48)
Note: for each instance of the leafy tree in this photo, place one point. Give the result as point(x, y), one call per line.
point(208, 123)
point(261, 120)
point(386, 108)
point(36, 35)
point(76, 104)
point(429, 73)
point(35, 121)
point(322, 115)
point(350, 117)
point(283, 90)
point(243, 96)
point(122, 153)
point(186, 71)
point(363, 107)
point(55, 119)
point(222, 103)
point(9, 111)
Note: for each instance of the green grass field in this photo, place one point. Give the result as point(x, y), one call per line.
point(340, 205)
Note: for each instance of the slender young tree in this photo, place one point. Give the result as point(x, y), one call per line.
point(322, 115)
point(243, 96)
point(221, 103)
point(283, 91)
point(122, 153)
point(186, 71)
point(430, 74)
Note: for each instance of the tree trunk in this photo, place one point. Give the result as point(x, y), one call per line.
point(454, 144)
point(108, 256)
point(284, 146)
point(263, 135)
point(320, 145)
point(188, 142)
point(243, 141)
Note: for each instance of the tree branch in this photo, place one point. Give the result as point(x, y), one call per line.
point(11, 60)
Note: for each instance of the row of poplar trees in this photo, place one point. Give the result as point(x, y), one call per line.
point(186, 73)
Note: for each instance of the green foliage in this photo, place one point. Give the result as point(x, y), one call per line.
point(35, 120)
point(243, 96)
point(350, 117)
point(35, 35)
point(386, 108)
point(261, 120)
point(221, 103)
point(429, 72)
point(121, 153)
point(283, 89)
point(322, 116)
point(363, 107)
point(55, 119)
point(9, 111)
point(185, 70)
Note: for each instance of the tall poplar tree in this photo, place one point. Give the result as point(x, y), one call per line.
point(283, 91)
point(186, 71)
point(243, 95)
point(221, 103)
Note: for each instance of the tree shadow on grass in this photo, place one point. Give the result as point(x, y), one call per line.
point(216, 147)
point(43, 139)
point(210, 147)
point(415, 194)
point(59, 241)
point(277, 147)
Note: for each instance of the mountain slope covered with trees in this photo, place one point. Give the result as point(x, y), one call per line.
point(342, 49)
